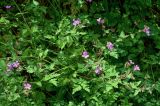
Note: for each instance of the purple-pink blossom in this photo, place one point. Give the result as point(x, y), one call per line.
point(10, 67)
point(76, 22)
point(89, 1)
point(7, 7)
point(136, 68)
point(110, 46)
point(13, 65)
point(27, 86)
point(100, 21)
point(85, 54)
point(147, 30)
point(98, 70)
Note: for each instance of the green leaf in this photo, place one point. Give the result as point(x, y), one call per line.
point(40, 54)
point(87, 89)
point(3, 20)
point(35, 3)
point(136, 92)
point(110, 72)
point(157, 87)
point(122, 35)
point(61, 43)
point(50, 76)
point(158, 3)
point(39, 84)
point(13, 96)
point(76, 89)
point(71, 104)
point(53, 81)
point(31, 69)
point(2, 65)
point(114, 54)
point(108, 87)
point(34, 29)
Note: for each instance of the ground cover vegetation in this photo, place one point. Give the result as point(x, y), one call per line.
point(79, 53)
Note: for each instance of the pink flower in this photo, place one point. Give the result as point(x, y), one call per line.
point(100, 21)
point(27, 86)
point(136, 68)
point(110, 46)
point(8, 7)
point(85, 54)
point(147, 30)
point(15, 64)
point(89, 1)
point(10, 67)
point(98, 70)
point(76, 22)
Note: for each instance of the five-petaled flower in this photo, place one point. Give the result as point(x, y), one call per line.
point(76, 22)
point(136, 68)
point(147, 30)
point(27, 86)
point(98, 70)
point(85, 54)
point(100, 21)
point(110, 46)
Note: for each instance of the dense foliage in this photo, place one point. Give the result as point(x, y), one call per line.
point(79, 52)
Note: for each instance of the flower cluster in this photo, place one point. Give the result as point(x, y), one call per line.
point(13, 65)
point(129, 63)
point(76, 22)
